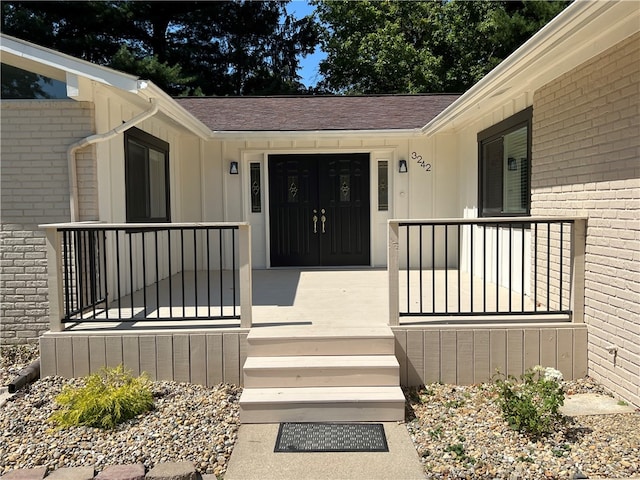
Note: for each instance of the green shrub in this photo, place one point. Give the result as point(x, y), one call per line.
point(532, 404)
point(107, 399)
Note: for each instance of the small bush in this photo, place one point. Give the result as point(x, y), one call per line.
point(107, 399)
point(532, 404)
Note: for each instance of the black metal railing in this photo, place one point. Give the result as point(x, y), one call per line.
point(136, 272)
point(484, 267)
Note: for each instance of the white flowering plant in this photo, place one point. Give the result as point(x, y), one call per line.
point(531, 404)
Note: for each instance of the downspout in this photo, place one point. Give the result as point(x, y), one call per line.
point(91, 140)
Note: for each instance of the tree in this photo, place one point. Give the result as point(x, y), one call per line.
point(214, 48)
point(421, 46)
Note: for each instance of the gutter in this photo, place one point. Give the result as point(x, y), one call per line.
point(91, 140)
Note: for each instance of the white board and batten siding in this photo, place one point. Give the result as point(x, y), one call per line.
point(470, 354)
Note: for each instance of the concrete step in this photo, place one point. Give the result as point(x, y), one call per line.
point(322, 404)
point(311, 340)
point(321, 371)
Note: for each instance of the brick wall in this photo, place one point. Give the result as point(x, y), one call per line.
point(35, 190)
point(586, 162)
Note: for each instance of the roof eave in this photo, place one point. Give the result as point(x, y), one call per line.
point(270, 134)
point(551, 38)
point(30, 52)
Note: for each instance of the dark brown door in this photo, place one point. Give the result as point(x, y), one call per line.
point(319, 209)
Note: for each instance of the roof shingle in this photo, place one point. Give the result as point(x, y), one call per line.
point(311, 113)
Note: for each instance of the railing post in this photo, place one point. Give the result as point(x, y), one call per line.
point(54, 279)
point(578, 247)
point(244, 254)
point(393, 269)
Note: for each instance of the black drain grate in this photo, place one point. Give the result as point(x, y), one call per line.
point(331, 437)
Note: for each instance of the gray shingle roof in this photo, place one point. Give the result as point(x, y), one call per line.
point(309, 113)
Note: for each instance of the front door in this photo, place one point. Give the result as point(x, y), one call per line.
point(319, 209)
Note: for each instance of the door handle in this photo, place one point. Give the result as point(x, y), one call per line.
point(315, 221)
point(323, 219)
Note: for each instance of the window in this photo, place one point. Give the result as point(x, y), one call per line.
point(383, 185)
point(21, 84)
point(256, 201)
point(504, 151)
point(146, 177)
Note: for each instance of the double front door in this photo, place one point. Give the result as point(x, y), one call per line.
point(319, 209)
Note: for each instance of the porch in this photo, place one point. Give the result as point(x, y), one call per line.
point(450, 321)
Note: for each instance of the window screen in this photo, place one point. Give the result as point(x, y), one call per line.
point(504, 157)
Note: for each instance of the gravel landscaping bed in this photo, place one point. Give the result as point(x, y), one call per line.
point(188, 422)
point(458, 432)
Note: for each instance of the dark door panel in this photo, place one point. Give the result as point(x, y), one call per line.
point(293, 195)
point(319, 209)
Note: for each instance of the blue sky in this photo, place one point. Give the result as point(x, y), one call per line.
point(309, 64)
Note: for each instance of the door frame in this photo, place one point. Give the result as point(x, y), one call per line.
point(375, 154)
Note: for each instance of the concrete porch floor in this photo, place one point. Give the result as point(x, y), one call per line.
point(331, 297)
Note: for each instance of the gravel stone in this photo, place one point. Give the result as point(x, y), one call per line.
point(188, 423)
point(459, 433)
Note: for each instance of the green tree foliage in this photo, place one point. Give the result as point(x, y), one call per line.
point(421, 46)
point(188, 47)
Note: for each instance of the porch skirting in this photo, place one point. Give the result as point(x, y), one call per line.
point(456, 354)
point(469, 354)
point(202, 357)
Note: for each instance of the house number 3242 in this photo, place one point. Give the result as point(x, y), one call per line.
point(418, 159)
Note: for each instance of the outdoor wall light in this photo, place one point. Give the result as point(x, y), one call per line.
point(402, 166)
point(233, 168)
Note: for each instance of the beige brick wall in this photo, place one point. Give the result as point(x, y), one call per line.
point(34, 190)
point(586, 162)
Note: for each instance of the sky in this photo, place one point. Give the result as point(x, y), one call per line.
point(309, 64)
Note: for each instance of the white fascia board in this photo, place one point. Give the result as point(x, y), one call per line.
point(67, 63)
point(565, 42)
point(271, 134)
point(174, 110)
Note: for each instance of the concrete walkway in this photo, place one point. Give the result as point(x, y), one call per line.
point(253, 458)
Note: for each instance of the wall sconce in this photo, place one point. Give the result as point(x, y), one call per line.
point(402, 166)
point(233, 168)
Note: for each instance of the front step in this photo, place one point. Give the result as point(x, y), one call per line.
point(295, 341)
point(321, 371)
point(321, 374)
point(322, 404)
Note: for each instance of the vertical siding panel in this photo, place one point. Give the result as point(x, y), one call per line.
point(579, 353)
point(565, 352)
point(97, 354)
point(164, 356)
point(481, 356)
point(415, 358)
point(548, 347)
point(148, 356)
point(464, 358)
point(515, 352)
point(113, 348)
point(198, 356)
point(244, 347)
point(80, 356)
point(531, 348)
point(47, 357)
point(64, 357)
point(131, 353)
point(214, 359)
point(401, 354)
point(448, 367)
point(431, 356)
point(231, 362)
point(181, 358)
point(498, 351)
